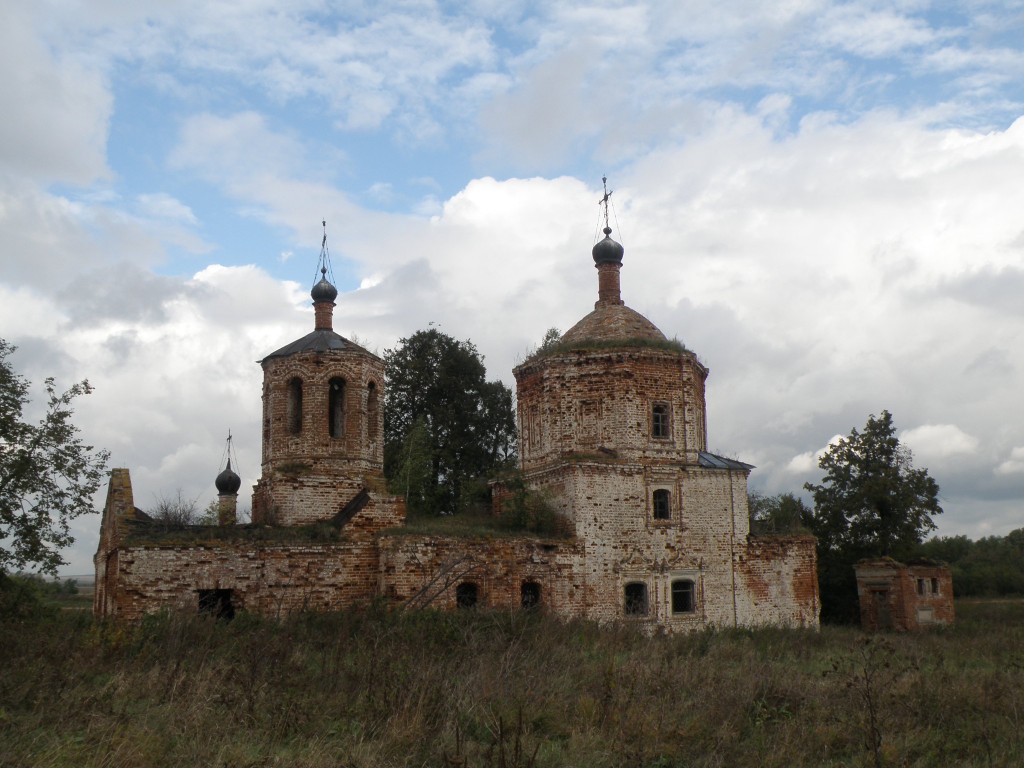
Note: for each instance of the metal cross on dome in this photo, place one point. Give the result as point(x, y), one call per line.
point(323, 263)
point(604, 200)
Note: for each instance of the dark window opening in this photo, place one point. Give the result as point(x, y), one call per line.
point(530, 594)
point(466, 595)
point(371, 410)
point(216, 603)
point(660, 504)
point(336, 407)
point(935, 586)
point(636, 599)
point(295, 406)
point(660, 427)
point(920, 587)
point(683, 596)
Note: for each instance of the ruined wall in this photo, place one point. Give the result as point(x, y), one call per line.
point(119, 508)
point(778, 582)
point(271, 580)
point(141, 568)
point(427, 570)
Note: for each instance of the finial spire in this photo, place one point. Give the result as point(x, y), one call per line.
point(604, 201)
point(323, 263)
point(324, 293)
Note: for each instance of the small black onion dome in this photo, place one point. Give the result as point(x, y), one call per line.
point(608, 251)
point(323, 291)
point(227, 481)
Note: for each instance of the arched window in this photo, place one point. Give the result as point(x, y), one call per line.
point(371, 410)
point(683, 596)
point(661, 504)
point(530, 594)
point(295, 405)
point(661, 427)
point(635, 594)
point(466, 595)
point(336, 407)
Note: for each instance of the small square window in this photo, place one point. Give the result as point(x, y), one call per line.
point(466, 595)
point(661, 504)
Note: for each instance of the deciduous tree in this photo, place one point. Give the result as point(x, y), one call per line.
point(782, 513)
point(469, 423)
point(47, 475)
point(871, 502)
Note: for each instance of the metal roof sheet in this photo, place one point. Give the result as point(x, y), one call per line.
point(712, 461)
point(317, 341)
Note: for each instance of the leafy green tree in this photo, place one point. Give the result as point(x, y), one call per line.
point(47, 476)
point(990, 566)
point(782, 513)
point(412, 474)
point(469, 423)
point(871, 502)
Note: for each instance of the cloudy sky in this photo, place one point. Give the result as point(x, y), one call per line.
point(824, 200)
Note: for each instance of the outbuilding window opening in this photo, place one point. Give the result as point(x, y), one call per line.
point(466, 595)
point(336, 407)
point(530, 594)
point(636, 598)
point(935, 586)
point(661, 504)
point(295, 405)
point(660, 427)
point(683, 593)
point(216, 603)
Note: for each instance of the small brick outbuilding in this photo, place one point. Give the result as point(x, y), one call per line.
point(904, 596)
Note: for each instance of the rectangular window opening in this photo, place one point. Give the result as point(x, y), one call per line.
point(217, 603)
point(636, 599)
point(683, 596)
point(661, 429)
point(661, 503)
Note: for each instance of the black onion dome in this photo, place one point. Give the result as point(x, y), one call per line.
point(608, 251)
point(227, 481)
point(323, 291)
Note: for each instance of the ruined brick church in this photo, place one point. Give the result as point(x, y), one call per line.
point(613, 433)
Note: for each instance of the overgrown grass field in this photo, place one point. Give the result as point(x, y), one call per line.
point(376, 688)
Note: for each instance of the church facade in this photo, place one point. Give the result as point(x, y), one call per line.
point(654, 529)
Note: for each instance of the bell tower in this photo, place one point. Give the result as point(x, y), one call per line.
point(322, 419)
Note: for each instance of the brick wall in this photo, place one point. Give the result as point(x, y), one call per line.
point(779, 581)
point(272, 580)
point(135, 576)
point(432, 567)
point(586, 400)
